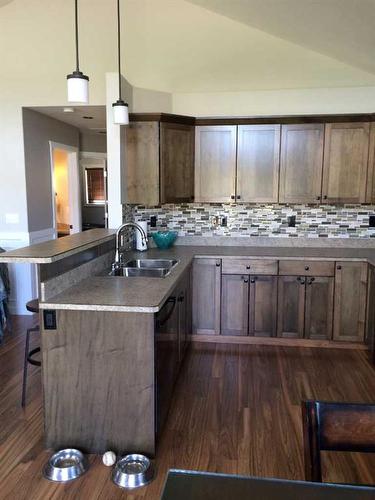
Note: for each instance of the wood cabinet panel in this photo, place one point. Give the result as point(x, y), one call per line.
point(306, 268)
point(215, 163)
point(258, 161)
point(141, 163)
point(176, 163)
point(249, 266)
point(345, 162)
point(319, 308)
point(350, 301)
point(263, 306)
point(291, 306)
point(301, 163)
point(234, 304)
point(370, 184)
point(206, 296)
point(370, 320)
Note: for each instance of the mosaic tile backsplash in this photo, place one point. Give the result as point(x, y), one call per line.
point(195, 219)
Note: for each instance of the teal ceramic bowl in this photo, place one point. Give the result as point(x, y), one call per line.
point(164, 239)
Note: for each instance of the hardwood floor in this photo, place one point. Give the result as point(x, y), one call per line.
point(236, 409)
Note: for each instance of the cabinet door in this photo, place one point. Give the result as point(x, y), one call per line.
point(263, 306)
point(301, 163)
point(291, 306)
point(370, 327)
point(234, 304)
point(206, 296)
point(215, 163)
point(370, 185)
point(346, 151)
point(319, 308)
point(141, 183)
point(184, 313)
point(167, 356)
point(176, 163)
point(350, 301)
point(258, 161)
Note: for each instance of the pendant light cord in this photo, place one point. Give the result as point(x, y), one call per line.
point(119, 48)
point(76, 20)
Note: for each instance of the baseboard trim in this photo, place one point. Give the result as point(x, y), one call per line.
point(325, 344)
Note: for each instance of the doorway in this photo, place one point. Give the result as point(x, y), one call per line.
point(66, 201)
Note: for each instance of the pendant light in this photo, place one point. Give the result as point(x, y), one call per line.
point(120, 107)
point(78, 83)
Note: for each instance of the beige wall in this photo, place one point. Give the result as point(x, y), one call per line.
point(276, 102)
point(92, 143)
point(38, 130)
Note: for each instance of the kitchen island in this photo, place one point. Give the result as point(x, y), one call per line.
point(112, 346)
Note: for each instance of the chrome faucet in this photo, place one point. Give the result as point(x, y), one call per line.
point(118, 236)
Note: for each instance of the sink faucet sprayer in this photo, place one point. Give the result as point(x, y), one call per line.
point(119, 233)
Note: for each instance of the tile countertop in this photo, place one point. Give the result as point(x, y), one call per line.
point(53, 250)
point(109, 293)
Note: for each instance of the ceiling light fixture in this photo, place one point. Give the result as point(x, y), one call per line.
point(120, 107)
point(78, 83)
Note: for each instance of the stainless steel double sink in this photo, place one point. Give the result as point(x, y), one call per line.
point(148, 268)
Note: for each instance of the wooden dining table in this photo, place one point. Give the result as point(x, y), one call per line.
point(191, 485)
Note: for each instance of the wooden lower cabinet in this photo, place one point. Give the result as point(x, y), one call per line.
point(263, 306)
point(291, 306)
point(350, 301)
point(319, 308)
point(234, 304)
point(206, 285)
point(370, 326)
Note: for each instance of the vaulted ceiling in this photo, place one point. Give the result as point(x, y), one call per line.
point(192, 45)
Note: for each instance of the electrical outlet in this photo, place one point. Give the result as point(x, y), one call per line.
point(153, 220)
point(371, 221)
point(292, 221)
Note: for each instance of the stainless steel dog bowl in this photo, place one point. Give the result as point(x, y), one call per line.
point(132, 471)
point(66, 465)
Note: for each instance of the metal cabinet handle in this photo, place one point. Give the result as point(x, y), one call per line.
point(302, 282)
point(307, 268)
point(338, 268)
point(325, 197)
point(318, 197)
point(218, 264)
point(253, 280)
point(248, 266)
point(238, 197)
point(232, 197)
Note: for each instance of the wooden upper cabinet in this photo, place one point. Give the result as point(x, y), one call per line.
point(141, 183)
point(301, 163)
point(215, 163)
point(176, 163)
point(258, 161)
point(345, 162)
point(350, 301)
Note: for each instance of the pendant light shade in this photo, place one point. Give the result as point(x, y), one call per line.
point(120, 112)
point(78, 83)
point(120, 107)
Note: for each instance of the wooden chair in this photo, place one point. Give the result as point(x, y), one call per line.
point(335, 427)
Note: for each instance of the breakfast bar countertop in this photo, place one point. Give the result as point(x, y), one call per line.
point(135, 294)
point(54, 250)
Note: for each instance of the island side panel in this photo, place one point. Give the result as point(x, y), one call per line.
point(98, 381)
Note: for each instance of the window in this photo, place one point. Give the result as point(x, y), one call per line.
point(95, 185)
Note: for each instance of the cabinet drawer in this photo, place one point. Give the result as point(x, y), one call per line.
point(249, 266)
point(306, 268)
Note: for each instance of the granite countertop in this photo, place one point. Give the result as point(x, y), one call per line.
point(109, 293)
point(53, 250)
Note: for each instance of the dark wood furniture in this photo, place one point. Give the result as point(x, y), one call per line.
point(159, 160)
point(33, 307)
point(191, 485)
point(108, 377)
point(335, 427)
point(206, 289)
